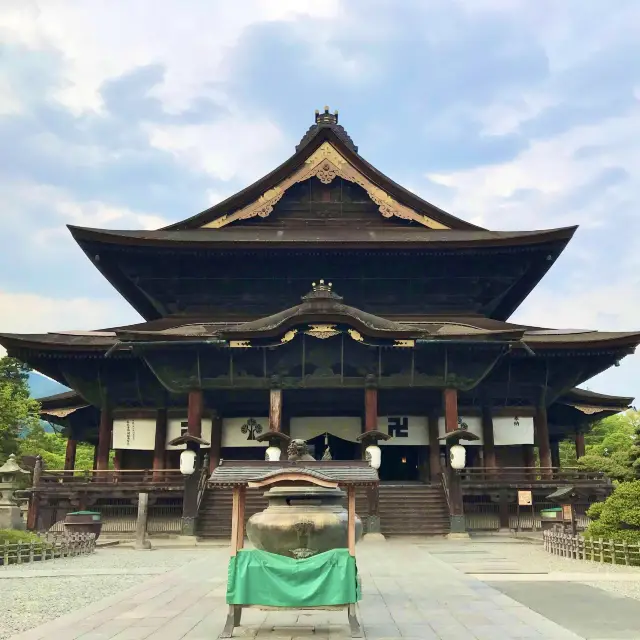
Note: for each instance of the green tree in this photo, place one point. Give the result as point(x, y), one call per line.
point(611, 445)
point(52, 447)
point(18, 411)
point(618, 517)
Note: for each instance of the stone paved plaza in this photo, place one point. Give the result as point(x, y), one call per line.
point(422, 589)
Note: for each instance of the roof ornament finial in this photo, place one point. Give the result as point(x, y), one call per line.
point(326, 120)
point(326, 117)
point(321, 290)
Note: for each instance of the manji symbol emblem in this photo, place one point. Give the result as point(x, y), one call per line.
point(252, 428)
point(398, 427)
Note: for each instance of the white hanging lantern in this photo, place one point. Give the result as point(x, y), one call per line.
point(187, 462)
point(273, 454)
point(457, 456)
point(373, 455)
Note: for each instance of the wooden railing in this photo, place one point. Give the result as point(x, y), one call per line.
point(532, 475)
point(128, 478)
point(47, 547)
point(600, 550)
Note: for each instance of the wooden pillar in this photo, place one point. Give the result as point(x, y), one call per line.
point(450, 409)
point(370, 409)
point(104, 438)
point(434, 447)
point(555, 453)
point(275, 410)
point(70, 454)
point(194, 414)
point(456, 504)
point(488, 448)
point(541, 428)
point(216, 442)
point(580, 448)
point(160, 444)
point(529, 461)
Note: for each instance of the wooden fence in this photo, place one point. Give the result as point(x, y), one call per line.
point(47, 547)
point(595, 550)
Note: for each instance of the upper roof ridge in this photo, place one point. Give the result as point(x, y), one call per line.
point(327, 120)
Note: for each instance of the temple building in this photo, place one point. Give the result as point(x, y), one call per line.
point(323, 302)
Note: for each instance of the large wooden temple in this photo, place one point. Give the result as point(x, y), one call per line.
point(325, 301)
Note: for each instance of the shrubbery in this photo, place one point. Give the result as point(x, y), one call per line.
point(618, 517)
point(11, 536)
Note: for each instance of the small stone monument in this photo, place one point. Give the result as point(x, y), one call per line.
point(10, 513)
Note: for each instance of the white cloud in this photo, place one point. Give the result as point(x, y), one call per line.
point(103, 39)
point(238, 147)
point(30, 313)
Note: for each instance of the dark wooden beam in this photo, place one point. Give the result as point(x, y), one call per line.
point(450, 409)
point(194, 415)
point(580, 448)
point(104, 438)
point(216, 442)
point(160, 444)
point(489, 449)
point(370, 409)
point(434, 447)
point(541, 428)
point(70, 455)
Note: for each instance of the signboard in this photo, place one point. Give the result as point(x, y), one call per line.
point(525, 498)
point(345, 427)
point(473, 424)
point(242, 432)
point(510, 430)
point(404, 430)
point(567, 513)
point(177, 427)
point(139, 434)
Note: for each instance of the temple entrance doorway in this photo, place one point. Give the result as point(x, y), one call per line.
point(400, 464)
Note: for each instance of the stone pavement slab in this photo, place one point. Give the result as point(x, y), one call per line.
point(408, 592)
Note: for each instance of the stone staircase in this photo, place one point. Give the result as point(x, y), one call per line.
point(405, 510)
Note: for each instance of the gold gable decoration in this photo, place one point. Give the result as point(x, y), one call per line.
point(322, 331)
point(326, 164)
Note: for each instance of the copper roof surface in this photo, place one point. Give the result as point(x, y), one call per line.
point(413, 237)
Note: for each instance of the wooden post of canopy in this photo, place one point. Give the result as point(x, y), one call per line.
point(160, 444)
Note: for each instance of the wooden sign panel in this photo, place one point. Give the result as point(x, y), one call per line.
point(525, 498)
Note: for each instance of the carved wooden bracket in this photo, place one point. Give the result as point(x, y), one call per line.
point(326, 164)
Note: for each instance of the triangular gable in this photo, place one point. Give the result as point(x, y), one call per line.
point(326, 164)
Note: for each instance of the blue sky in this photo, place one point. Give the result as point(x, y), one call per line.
point(510, 113)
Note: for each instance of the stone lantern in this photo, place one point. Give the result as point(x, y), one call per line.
point(10, 514)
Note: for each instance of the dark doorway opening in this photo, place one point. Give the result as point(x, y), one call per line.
point(400, 463)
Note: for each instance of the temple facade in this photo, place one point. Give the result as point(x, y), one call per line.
point(325, 302)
